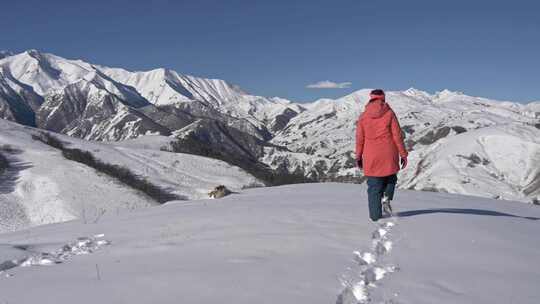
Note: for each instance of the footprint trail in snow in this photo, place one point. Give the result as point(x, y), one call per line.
point(369, 268)
point(83, 245)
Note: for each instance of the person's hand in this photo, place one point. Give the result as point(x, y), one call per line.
point(359, 163)
point(403, 163)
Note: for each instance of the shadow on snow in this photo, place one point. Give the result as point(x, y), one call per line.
point(462, 211)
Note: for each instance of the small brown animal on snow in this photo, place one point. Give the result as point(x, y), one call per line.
point(219, 192)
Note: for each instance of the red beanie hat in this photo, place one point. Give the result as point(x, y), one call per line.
point(377, 94)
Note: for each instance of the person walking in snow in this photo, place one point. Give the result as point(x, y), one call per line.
point(379, 148)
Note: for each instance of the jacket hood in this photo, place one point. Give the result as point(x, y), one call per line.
point(376, 108)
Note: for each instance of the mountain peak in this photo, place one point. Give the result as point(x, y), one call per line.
point(32, 52)
point(415, 92)
point(447, 92)
point(160, 71)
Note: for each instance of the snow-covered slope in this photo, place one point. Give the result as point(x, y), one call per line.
point(41, 186)
point(293, 244)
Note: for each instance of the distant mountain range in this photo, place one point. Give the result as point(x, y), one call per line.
point(458, 143)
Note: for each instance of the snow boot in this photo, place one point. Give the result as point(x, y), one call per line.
point(386, 206)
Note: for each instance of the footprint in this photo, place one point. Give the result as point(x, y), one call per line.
point(370, 270)
point(379, 233)
point(365, 258)
point(356, 294)
point(388, 225)
point(382, 247)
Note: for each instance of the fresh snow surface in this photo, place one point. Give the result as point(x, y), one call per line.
point(310, 243)
point(43, 187)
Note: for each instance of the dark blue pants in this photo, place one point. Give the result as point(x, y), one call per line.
point(377, 187)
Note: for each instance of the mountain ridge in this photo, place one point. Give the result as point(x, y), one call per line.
point(314, 140)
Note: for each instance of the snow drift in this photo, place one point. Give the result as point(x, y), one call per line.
point(41, 186)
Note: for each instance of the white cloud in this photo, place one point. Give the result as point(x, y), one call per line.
point(327, 84)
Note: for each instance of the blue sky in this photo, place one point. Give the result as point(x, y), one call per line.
point(278, 48)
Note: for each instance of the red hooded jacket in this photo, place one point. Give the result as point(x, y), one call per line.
point(379, 141)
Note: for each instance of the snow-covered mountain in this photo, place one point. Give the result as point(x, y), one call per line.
point(459, 143)
point(295, 244)
point(95, 102)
